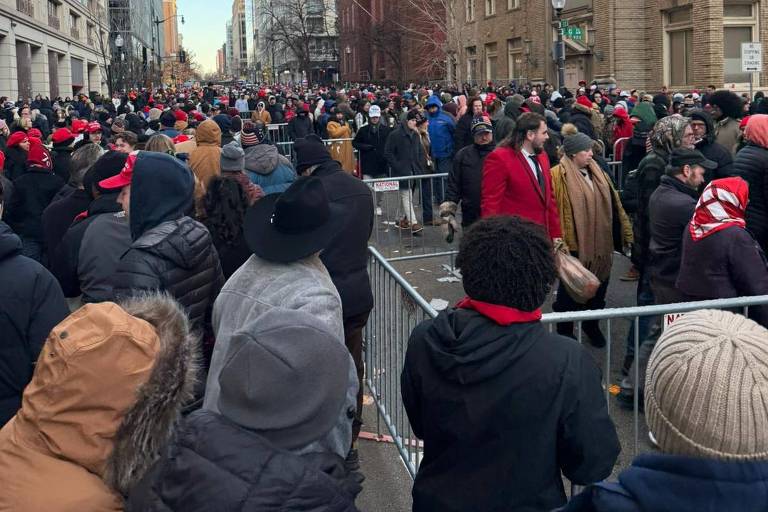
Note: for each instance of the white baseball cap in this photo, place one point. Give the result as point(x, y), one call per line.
point(374, 111)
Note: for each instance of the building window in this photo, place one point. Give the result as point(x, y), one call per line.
point(515, 58)
point(739, 26)
point(491, 61)
point(490, 7)
point(513, 4)
point(679, 51)
point(471, 63)
point(74, 25)
point(470, 10)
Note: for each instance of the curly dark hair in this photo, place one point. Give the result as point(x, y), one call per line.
point(729, 103)
point(507, 261)
point(225, 206)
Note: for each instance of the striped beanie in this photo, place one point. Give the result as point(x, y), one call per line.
point(706, 388)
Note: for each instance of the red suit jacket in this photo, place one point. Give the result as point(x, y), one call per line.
point(509, 188)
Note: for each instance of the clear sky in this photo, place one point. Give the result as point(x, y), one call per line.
point(203, 28)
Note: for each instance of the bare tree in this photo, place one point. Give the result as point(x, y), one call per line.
point(294, 27)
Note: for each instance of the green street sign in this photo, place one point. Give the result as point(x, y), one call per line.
point(575, 33)
point(563, 23)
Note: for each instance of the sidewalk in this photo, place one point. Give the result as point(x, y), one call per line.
point(387, 486)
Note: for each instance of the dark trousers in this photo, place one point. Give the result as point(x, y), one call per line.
point(644, 298)
point(353, 338)
point(565, 302)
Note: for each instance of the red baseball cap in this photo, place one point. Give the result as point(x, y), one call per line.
point(125, 176)
point(94, 127)
point(62, 135)
point(180, 115)
point(79, 126)
point(34, 132)
point(17, 138)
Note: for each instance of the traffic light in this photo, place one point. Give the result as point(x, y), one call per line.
point(182, 56)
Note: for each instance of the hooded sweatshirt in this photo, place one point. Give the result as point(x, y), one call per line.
point(502, 410)
point(441, 129)
point(268, 169)
point(109, 379)
point(205, 161)
point(711, 149)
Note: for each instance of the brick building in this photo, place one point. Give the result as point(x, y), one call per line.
point(639, 43)
point(391, 40)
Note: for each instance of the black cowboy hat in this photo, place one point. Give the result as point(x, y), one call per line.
point(292, 225)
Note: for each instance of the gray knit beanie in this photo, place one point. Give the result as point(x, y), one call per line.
point(285, 376)
point(706, 388)
point(572, 144)
point(232, 157)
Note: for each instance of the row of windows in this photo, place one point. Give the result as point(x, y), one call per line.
point(490, 8)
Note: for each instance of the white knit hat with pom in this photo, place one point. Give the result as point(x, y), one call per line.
point(706, 388)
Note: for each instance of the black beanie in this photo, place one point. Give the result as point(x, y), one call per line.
point(167, 119)
point(310, 151)
point(109, 164)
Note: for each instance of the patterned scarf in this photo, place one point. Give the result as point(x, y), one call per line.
point(721, 205)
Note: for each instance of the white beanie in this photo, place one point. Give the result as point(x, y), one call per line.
point(706, 388)
point(555, 95)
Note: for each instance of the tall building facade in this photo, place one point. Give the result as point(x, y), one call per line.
point(53, 48)
point(170, 29)
point(138, 61)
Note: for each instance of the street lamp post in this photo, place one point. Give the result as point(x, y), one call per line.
point(558, 6)
point(119, 45)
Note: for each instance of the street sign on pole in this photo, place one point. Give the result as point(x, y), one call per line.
point(751, 57)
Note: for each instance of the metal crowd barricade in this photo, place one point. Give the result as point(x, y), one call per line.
point(398, 309)
point(399, 243)
point(618, 153)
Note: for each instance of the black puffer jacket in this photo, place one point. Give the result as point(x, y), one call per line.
point(218, 465)
point(170, 252)
point(752, 164)
point(33, 191)
point(177, 256)
point(465, 178)
point(583, 121)
point(31, 304)
point(371, 144)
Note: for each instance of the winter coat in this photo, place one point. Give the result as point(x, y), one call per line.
point(712, 150)
point(299, 127)
point(646, 180)
point(232, 254)
point(87, 258)
point(95, 396)
point(32, 193)
point(502, 410)
point(634, 152)
point(621, 225)
point(259, 286)
point(341, 151)
point(505, 124)
point(670, 209)
point(727, 263)
point(683, 484)
point(404, 153)
point(15, 162)
point(31, 303)
point(268, 169)
point(275, 113)
point(371, 145)
point(62, 161)
point(205, 161)
point(441, 129)
point(581, 117)
point(346, 256)
point(462, 135)
point(261, 115)
point(509, 188)
point(751, 163)
point(178, 257)
point(60, 214)
point(464, 180)
point(727, 133)
point(240, 471)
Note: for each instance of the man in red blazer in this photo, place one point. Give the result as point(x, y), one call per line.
point(516, 179)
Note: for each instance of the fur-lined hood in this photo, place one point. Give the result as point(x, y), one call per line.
point(106, 394)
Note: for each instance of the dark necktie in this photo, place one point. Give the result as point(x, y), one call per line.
point(539, 175)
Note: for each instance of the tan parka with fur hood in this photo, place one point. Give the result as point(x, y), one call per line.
point(108, 388)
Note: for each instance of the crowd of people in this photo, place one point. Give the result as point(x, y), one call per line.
point(186, 290)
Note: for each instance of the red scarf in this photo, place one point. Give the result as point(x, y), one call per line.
point(721, 205)
point(502, 315)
